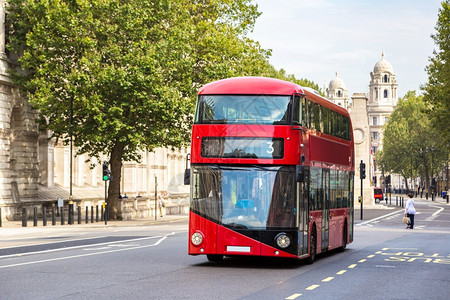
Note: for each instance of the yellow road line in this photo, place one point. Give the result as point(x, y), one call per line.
point(370, 256)
point(327, 279)
point(314, 286)
point(293, 296)
point(341, 272)
point(362, 260)
point(352, 266)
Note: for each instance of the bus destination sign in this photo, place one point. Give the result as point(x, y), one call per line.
point(242, 147)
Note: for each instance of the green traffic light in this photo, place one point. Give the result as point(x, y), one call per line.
point(105, 177)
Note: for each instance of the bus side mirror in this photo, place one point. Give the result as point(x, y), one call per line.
point(187, 171)
point(299, 173)
point(187, 176)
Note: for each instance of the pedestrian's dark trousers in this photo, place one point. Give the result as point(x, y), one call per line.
point(411, 220)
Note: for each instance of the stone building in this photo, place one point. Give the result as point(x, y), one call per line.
point(369, 113)
point(34, 170)
point(19, 173)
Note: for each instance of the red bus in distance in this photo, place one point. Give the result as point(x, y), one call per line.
point(272, 171)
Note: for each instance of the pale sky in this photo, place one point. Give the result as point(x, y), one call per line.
point(314, 39)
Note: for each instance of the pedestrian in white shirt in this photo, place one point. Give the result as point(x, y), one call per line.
point(410, 211)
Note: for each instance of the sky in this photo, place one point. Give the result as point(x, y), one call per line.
point(314, 39)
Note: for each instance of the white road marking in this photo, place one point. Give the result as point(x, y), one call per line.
point(84, 255)
point(379, 218)
point(435, 214)
point(53, 242)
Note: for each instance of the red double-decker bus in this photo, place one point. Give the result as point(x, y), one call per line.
point(272, 171)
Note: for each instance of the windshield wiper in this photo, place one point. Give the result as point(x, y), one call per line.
point(237, 226)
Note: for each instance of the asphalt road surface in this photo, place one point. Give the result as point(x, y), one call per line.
point(150, 261)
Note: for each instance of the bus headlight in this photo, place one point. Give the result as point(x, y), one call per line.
point(197, 238)
point(283, 240)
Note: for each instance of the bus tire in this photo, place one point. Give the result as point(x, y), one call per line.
point(377, 200)
point(214, 257)
point(312, 247)
point(344, 238)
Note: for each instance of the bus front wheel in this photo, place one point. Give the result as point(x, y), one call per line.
point(312, 248)
point(214, 257)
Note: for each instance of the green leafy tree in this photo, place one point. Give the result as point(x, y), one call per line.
point(410, 147)
point(437, 89)
point(131, 69)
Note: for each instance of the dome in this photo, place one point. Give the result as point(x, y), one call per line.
point(336, 83)
point(383, 66)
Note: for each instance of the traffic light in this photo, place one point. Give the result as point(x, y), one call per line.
point(362, 170)
point(106, 172)
point(388, 179)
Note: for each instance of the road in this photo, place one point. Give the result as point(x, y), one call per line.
point(150, 261)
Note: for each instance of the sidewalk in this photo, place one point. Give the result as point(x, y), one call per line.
point(101, 224)
point(437, 199)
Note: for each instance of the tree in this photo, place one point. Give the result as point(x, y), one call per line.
point(410, 147)
point(437, 89)
point(130, 68)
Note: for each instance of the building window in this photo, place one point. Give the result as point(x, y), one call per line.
point(385, 79)
point(339, 93)
point(376, 93)
point(375, 136)
point(374, 121)
point(386, 120)
point(385, 93)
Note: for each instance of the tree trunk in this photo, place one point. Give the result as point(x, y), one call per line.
point(114, 210)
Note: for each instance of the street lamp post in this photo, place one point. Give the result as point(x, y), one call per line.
point(71, 163)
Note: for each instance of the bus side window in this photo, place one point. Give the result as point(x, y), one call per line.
point(305, 115)
point(297, 110)
point(326, 120)
point(333, 188)
point(316, 117)
point(346, 128)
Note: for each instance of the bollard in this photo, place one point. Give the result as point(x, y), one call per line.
point(35, 216)
point(87, 214)
point(96, 213)
point(44, 216)
point(70, 214)
point(396, 200)
point(402, 200)
point(92, 214)
point(79, 214)
point(24, 217)
point(53, 216)
point(62, 215)
point(106, 214)
point(102, 216)
point(0, 217)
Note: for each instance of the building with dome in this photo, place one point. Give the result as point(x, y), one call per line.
point(337, 92)
point(369, 113)
point(382, 101)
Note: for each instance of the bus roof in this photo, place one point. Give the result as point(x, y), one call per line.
point(251, 86)
point(265, 86)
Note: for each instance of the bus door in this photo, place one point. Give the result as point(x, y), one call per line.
point(303, 214)
point(325, 208)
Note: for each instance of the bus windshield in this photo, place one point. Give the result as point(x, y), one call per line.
point(243, 109)
point(245, 197)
